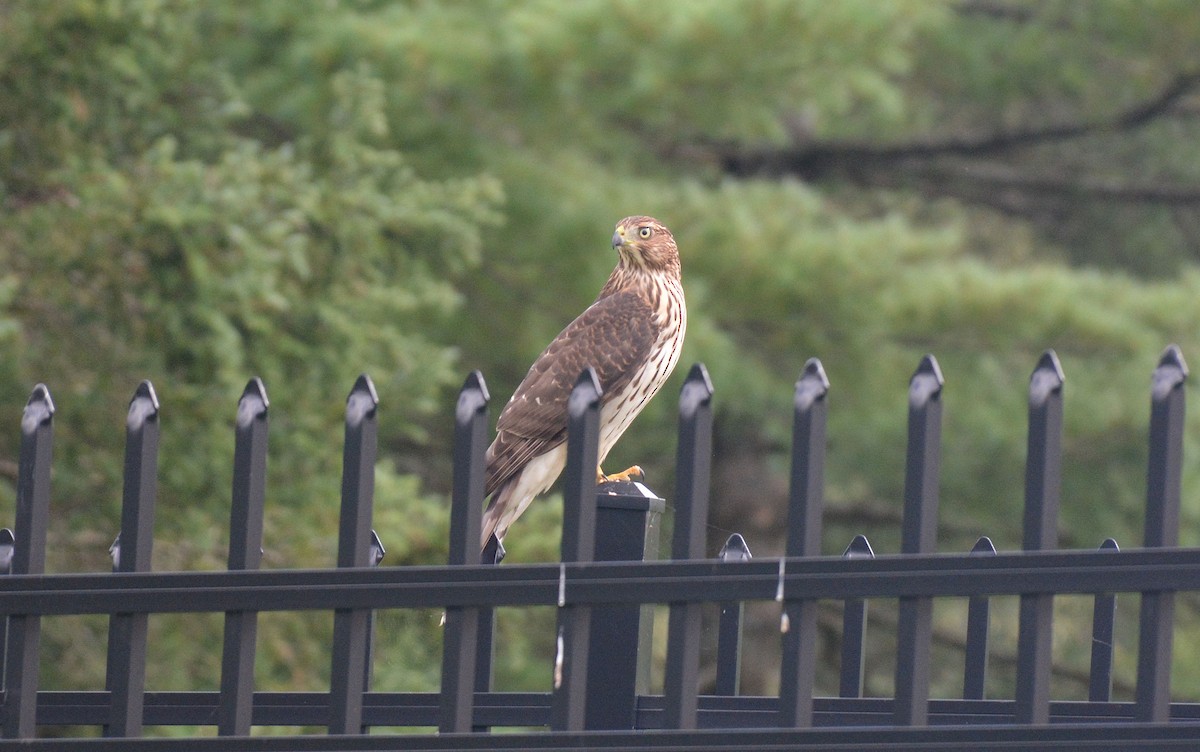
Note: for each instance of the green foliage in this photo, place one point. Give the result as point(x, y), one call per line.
point(178, 249)
point(199, 193)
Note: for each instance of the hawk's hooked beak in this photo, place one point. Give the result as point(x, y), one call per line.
point(618, 239)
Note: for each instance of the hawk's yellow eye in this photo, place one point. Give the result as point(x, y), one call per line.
point(645, 232)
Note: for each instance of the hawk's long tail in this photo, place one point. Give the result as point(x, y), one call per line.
point(496, 512)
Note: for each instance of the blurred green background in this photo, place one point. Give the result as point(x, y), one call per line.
point(202, 192)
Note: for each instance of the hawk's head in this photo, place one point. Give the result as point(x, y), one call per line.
point(644, 243)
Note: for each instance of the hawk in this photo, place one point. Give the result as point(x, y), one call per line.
point(631, 336)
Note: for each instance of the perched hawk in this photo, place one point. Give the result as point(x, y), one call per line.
point(631, 335)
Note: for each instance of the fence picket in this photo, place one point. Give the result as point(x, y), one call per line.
point(351, 627)
point(854, 628)
point(131, 553)
point(569, 701)
point(461, 630)
point(1104, 616)
point(493, 554)
point(28, 558)
point(806, 504)
point(7, 544)
point(914, 630)
point(1164, 474)
point(729, 625)
point(245, 552)
point(692, 467)
point(1043, 478)
point(975, 656)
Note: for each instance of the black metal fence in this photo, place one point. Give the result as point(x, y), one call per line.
point(600, 587)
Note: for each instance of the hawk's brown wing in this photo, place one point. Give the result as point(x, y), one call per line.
point(614, 335)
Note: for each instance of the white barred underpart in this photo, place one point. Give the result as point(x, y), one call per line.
point(618, 412)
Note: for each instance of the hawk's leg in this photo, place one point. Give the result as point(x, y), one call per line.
point(625, 476)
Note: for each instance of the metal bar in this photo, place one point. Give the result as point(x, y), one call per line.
point(914, 630)
point(1013, 573)
point(694, 454)
point(532, 709)
point(7, 544)
point(351, 627)
point(1111, 736)
point(975, 658)
point(1104, 616)
point(693, 460)
point(492, 555)
point(29, 559)
point(729, 625)
point(127, 630)
point(569, 706)
point(374, 558)
point(1163, 479)
point(806, 503)
point(249, 478)
point(854, 628)
point(245, 552)
point(1043, 466)
point(1043, 480)
point(461, 630)
point(619, 647)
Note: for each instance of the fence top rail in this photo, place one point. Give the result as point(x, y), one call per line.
point(831, 577)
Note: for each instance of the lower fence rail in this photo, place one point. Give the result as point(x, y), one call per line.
point(725, 722)
point(1046, 738)
point(524, 709)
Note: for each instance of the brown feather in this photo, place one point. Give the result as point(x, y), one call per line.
point(611, 336)
point(631, 336)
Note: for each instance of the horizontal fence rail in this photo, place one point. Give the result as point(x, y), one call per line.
point(607, 577)
point(837, 578)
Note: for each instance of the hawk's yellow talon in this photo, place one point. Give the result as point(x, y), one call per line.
point(625, 476)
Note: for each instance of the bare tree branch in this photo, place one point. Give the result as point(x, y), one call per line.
point(819, 159)
point(999, 186)
point(1107, 189)
point(998, 11)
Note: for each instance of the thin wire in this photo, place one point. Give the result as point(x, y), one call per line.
point(708, 525)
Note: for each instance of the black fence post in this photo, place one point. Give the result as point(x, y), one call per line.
point(461, 630)
point(854, 628)
point(692, 467)
point(1104, 616)
point(975, 657)
point(28, 557)
point(729, 625)
point(245, 552)
point(568, 705)
point(918, 536)
point(351, 627)
point(628, 516)
point(1163, 480)
point(127, 632)
point(1043, 479)
point(806, 505)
